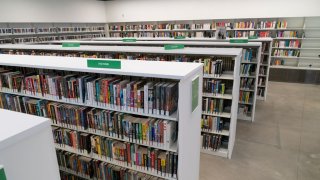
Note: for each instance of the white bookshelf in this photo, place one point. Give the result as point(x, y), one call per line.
point(195, 42)
point(227, 153)
point(235, 53)
point(208, 44)
point(307, 27)
point(39, 32)
point(309, 48)
point(188, 121)
point(26, 147)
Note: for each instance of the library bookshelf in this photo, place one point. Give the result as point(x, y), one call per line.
point(206, 42)
point(39, 32)
point(258, 74)
point(187, 115)
point(234, 54)
point(303, 29)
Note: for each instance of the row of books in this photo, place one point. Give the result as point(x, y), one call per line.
point(214, 124)
point(265, 47)
point(247, 83)
point(245, 97)
point(244, 24)
point(263, 70)
point(247, 69)
point(37, 39)
point(94, 169)
point(261, 81)
point(248, 55)
point(260, 91)
point(135, 129)
point(244, 110)
point(272, 25)
point(67, 176)
point(215, 106)
point(264, 59)
point(257, 25)
point(263, 34)
point(123, 153)
point(289, 53)
point(214, 86)
point(213, 67)
point(23, 30)
point(49, 30)
point(263, 24)
point(278, 62)
point(228, 63)
point(287, 43)
point(213, 142)
point(248, 34)
point(5, 30)
point(141, 96)
point(205, 26)
point(287, 34)
point(197, 34)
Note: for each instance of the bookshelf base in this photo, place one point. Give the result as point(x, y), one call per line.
point(244, 117)
point(221, 152)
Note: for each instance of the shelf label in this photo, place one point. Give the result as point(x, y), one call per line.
point(129, 40)
point(110, 64)
point(195, 93)
point(238, 41)
point(253, 37)
point(2, 174)
point(68, 44)
point(179, 37)
point(173, 46)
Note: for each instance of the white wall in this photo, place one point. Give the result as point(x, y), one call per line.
point(52, 11)
point(162, 10)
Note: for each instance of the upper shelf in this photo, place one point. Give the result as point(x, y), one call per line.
point(191, 43)
point(132, 49)
point(155, 69)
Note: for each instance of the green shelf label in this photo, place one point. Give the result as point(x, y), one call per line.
point(110, 64)
point(173, 46)
point(195, 93)
point(2, 174)
point(129, 40)
point(238, 41)
point(253, 37)
point(70, 44)
point(179, 37)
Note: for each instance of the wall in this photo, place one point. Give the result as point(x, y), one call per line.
point(52, 11)
point(162, 10)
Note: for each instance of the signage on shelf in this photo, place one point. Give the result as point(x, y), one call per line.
point(129, 40)
point(238, 40)
point(179, 37)
point(253, 37)
point(109, 64)
point(69, 44)
point(173, 46)
point(195, 93)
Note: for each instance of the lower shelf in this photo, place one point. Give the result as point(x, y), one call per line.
point(114, 162)
point(221, 152)
point(260, 98)
point(244, 117)
point(73, 173)
point(223, 132)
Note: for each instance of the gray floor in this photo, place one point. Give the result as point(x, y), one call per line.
point(282, 144)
